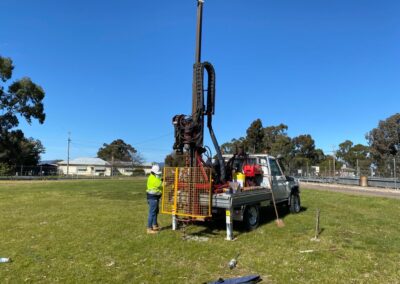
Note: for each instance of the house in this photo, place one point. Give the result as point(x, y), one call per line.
point(47, 168)
point(85, 167)
point(347, 172)
point(97, 167)
point(122, 168)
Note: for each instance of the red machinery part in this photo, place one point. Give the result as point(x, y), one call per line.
point(252, 170)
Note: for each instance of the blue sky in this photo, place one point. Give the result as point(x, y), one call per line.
point(123, 69)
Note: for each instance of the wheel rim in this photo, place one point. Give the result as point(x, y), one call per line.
point(253, 216)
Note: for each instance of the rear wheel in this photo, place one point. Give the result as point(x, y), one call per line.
point(295, 206)
point(251, 217)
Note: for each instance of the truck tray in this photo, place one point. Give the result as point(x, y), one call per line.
point(232, 200)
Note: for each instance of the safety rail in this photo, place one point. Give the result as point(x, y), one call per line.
point(372, 181)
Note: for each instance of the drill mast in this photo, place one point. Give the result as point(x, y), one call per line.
point(189, 130)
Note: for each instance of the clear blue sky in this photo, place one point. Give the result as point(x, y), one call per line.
point(123, 69)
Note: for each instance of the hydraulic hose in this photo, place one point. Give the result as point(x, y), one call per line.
point(209, 112)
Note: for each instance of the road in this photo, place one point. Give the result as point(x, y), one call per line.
point(355, 190)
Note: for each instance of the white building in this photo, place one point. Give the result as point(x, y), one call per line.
point(147, 168)
point(122, 168)
point(85, 167)
point(97, 167)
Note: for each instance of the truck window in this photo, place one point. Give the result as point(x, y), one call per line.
point(263, 162)
point(275, 171)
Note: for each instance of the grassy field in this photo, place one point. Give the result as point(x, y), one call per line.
point(94, 231)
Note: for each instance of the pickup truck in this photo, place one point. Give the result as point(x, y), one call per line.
point(189, 194)
point(245, 205)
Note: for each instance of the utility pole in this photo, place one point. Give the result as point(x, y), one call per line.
point(112, 162)
point(69, 142)
point(394, 172)
point(333, 156)
point(358, 169)
point(308, 174)
point(329, 171)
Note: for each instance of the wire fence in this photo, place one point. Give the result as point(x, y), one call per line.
point(22, 172)
point(389, 169)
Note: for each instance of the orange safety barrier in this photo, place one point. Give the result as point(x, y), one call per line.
point(187, 192)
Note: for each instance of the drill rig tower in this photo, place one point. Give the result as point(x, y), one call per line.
point(189, 130)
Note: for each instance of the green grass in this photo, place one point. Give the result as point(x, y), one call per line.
point(94, 231)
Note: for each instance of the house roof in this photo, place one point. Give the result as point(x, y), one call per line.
point(86, 161)
point(48, 162)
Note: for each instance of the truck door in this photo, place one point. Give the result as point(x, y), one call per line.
point(279, 182)
point(263, 161)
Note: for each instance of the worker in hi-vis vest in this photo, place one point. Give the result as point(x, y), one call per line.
point(154, 191)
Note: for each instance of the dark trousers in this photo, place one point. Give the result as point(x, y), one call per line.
point(153, 212)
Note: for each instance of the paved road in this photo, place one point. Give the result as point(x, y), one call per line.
point(355, 190)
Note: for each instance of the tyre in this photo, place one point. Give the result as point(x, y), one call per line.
point(251, 217)
point(295, 206)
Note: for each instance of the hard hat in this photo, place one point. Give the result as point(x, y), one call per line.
point(156, 169)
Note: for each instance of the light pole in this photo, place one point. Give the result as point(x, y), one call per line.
point(394, 172)
point(358, 169)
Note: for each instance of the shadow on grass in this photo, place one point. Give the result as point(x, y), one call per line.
point(217, 226)
point(268, 213)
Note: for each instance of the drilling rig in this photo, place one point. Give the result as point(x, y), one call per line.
point(189, 129)
point(187, 190)
point(236, 185)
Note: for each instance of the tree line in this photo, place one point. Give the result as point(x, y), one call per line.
point(300, 153)
point(21, 99)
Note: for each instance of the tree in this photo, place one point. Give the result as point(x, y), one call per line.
point(22, 99)
point(276, 142)
point(234, 146)
point(304, 146)
point(344, 151)
point(175, 160)
point(354, 156)
point(16, 149)
point(304, 153)
point(4, 169)
point(272, 134)
point(255, 136)
point(361, 157)
point(384, 141)
point(118, 150)
point(326, 166)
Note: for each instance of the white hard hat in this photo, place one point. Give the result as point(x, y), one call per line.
point(156, 169)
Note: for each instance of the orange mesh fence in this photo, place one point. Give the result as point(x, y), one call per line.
point(187, 192)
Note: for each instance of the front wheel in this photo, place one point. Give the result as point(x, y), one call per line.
point(251, 217)
point(295, 206)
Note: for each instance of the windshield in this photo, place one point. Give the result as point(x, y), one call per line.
point(275, 170)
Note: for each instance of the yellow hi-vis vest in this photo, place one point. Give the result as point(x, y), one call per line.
point(154, 185)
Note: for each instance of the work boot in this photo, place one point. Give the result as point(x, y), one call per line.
point(156, 228)
point(151, 231)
